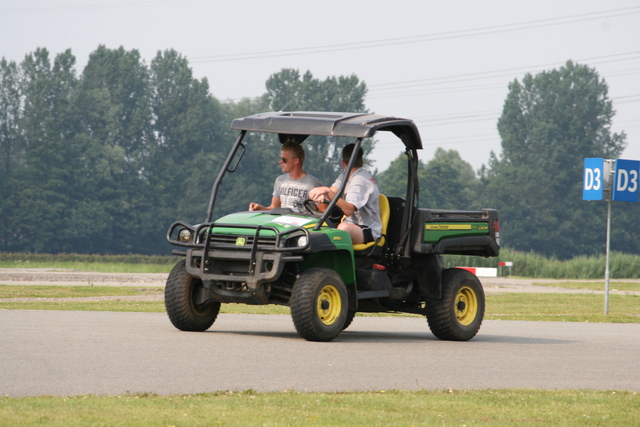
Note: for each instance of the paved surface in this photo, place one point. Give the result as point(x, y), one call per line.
point(76, 352)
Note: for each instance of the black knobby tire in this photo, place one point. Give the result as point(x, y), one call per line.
point(179, 300)
point(457, 316)
point(319, 304)
point(350, 315)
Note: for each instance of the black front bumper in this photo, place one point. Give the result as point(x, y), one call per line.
point(222, 269)
point(237, 273)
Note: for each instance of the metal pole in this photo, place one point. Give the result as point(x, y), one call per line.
point(606, 268)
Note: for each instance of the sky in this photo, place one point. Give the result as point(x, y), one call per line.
point(444, 64)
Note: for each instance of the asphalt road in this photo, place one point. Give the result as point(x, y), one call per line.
point(77, 352)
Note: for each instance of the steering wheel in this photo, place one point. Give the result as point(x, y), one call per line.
point(311, 207)
point(336, 213)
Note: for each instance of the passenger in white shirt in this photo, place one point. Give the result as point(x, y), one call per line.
point(360, 201)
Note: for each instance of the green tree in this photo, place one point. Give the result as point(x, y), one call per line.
point(47, 130)
point(10, 112)
point(254, 177)
point(288, 91)
point(446, 181)
point(115, 109)
point(189, 144)
point(549, 124)
point(11, 152)
point(393, 180)
point(102, 162)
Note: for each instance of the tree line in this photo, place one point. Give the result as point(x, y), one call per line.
point(550, 122)
point(103, 161)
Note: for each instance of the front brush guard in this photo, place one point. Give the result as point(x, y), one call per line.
point(265, 263)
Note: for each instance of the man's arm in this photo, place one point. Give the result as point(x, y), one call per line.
point(322, 194)
point(275, 203)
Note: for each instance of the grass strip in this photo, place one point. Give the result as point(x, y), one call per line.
point(562, 307)
point(388, 408)
point(594, 285)
point(100, 267)
point(117, 306)
point(52, 291)
point(507, 306)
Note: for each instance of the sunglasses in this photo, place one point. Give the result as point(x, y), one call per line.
point(283, 160)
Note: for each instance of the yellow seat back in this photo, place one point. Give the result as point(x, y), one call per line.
point(385, 211)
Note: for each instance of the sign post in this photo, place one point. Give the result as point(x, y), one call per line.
point(608, 180)
point(607, 273)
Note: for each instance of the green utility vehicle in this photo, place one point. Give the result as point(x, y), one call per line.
point(303, 261)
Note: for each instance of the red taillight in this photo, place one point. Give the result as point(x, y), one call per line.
point(496, 231)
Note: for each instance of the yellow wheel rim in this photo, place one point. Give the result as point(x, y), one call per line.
point(466, 305)
point(329, 305)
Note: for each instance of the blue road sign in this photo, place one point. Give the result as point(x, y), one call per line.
point(593, 187)
point(625, 184)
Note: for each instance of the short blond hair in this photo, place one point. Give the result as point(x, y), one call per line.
point(295, 149)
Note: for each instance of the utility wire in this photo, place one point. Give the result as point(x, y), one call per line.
point(467, 139)
point(438, 91)
point(495, 73)
point(419, 38)
point(478, 87)
point(478, 116)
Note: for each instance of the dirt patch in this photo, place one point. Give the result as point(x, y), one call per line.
point(511, 285)
point(152, 297)
point(61, 277)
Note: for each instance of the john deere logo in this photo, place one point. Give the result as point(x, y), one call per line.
point(447, 227)
point(337, 238)
point(240, 241)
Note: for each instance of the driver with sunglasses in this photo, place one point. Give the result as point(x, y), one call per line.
point(292, 187)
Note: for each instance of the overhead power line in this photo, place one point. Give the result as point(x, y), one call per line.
point(419, 38)
point(449, 115)
point(456, 118)
point(496, 73)
point(479, 116)
point(440, 142)
point(627, 99)
point(437, 91)
point(426, 142)
point(468, 139)
point(472, 88)
point(447, 88)
point(427, 123)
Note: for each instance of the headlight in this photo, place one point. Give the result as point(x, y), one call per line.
point(185, 235)
point(302, 241)
point(297, 242)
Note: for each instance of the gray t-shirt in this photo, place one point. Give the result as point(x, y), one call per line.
point(291, 191)
point(362, 192)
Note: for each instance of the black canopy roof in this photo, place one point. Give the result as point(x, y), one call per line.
point(355, 125)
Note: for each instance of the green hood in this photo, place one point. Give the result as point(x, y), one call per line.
point(279, 222)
